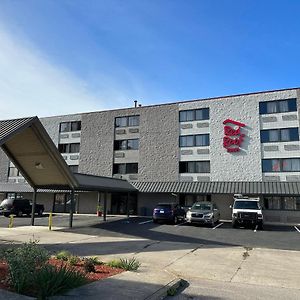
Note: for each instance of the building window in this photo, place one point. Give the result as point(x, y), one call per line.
point(13, 172)
point(281, 165)
point(279, 135)
point(70, 126)
point(129, 168)
point(74, 168)
point(282, 203)
point(129, 121)
point(198, 140)
point(132, 144)
point(279, 106)
point(192, 115)
point(194, 167)
point(69, 148)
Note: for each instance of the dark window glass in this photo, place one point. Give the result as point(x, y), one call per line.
point(119, 169)
point(271, 165)
point(202, 114)
point(133, 121)
point(291, 165)
point(194, 167)
point(63, 148)
point(186, 115)
point(186, 141)
point(202, 140)
point(132, 168)
point(75, 126)
point(120, 145)
point(292, 104)
point(289, 134)
point(64, 127)
point(264, 136)
point(13, 172)
point(282, 203)
point(133, 144)
point(74, 148)
point(279, 135)
point(202, 167)
point(121, 122)
point(271, 107)
point(74, 169)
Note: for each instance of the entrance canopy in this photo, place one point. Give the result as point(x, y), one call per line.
point(28, 145)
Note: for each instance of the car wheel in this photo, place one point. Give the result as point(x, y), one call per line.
point(19, 213)
point(213, 223)
point(6, 214)
point(154, 221)
point(175, 220)
point(40, 213)
point(234, 225)
point(261, 226)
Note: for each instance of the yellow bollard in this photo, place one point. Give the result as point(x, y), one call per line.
point(50, 221)
point(11, 221)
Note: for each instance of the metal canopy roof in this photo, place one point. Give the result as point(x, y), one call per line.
point(263, 188)
point(30, 148)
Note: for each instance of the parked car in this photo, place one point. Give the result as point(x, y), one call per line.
point(203, 213)
point(19, 207)
point(247, 211)
point(168, 212)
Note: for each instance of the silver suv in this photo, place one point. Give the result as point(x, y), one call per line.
point(203, 213)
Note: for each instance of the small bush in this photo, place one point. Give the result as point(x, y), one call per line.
point(63, 255)
point(131, 264)
point(89, 265)
point(96, 261)
point(23, 262)
point(73, 260)
point(50, 281)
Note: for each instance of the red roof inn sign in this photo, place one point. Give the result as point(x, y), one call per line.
point(233, 138)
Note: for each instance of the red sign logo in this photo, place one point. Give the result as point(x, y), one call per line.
point(233, 137)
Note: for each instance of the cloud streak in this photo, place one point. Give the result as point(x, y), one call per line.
point(31, 85)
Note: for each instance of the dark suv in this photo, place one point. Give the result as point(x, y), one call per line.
point(19, 207)
point(168, 212)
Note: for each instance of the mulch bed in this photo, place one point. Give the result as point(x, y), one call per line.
point(102, 271)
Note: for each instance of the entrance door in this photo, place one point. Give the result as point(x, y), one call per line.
point(62, 202)
point(119, 204)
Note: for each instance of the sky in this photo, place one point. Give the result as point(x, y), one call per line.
point(68, 56)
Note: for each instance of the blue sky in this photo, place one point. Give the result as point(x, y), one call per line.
point(66, 56)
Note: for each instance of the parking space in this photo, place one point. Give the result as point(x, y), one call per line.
point(272, 236)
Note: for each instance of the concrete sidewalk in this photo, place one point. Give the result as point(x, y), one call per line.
point(164, 262)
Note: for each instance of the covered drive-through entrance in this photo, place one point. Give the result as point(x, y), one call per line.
point(29, 147)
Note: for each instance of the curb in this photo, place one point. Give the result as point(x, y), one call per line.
point(162, 293)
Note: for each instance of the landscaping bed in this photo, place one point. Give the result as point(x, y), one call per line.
point(30, 270)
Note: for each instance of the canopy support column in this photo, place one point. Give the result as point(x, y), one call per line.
point(71, 209)
point(105, 206)
point(127, 205)
point(33, 206)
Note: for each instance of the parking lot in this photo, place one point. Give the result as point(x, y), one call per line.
point(273, 236)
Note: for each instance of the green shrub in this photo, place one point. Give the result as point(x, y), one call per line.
point(131, 264)
point(50, 281)
point(73, 260)
point(23, 261)
point(96, 261)
point(63, 255)
point(89, 265)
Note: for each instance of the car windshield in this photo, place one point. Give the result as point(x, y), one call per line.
point(6, 202)
point(246, 205)
point(201, 206)
point(163, 206)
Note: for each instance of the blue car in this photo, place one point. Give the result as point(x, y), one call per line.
point(168, 212)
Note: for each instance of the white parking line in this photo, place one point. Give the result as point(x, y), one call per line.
point(218, 225)
point(255, 228)
point(149, 221)
point(180, 224)
point(297, 228)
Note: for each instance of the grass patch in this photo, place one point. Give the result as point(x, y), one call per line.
point(131, 264)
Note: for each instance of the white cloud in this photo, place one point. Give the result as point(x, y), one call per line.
point(31, 85)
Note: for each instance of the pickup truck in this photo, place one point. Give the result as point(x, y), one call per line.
point(19, 207)
point(247, 211)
